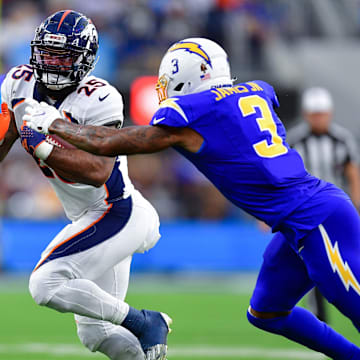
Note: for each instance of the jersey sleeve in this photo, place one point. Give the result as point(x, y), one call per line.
point(269, 92)
point(6, 87)
point(172, 112)
point(106, 107)
point(2, 78)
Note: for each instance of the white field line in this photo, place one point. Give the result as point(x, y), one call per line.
point(190, 351)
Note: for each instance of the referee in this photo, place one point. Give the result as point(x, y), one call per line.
point(329, 152)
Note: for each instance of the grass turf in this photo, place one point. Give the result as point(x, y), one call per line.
point(200, 319)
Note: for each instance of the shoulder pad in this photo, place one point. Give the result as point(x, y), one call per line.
point(172, 112)
point(102, 101)
point(269, 92)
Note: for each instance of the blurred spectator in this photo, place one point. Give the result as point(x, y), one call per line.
point(329, 152)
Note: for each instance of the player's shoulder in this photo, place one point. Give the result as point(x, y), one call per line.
point(93, 92)
point(262, 88)
point(18, 83)
point(96, 89)
point(97, 102)
point(21, 72)
point(175, 111)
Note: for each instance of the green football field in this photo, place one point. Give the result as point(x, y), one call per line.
point(209, 323)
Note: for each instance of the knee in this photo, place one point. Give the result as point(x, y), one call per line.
point(38, 289)
point(45, 281)
point(269, 321)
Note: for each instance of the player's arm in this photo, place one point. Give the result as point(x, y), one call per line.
point(9, 132)
point(80, 166)
point(131, 140)
point(100, 140)
point(71, 164)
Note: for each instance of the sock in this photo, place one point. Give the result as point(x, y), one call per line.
point(134, 321)
point(303, 327)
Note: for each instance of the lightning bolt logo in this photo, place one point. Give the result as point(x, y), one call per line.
point(172, 103)
point(192, 48)
point(338, 264)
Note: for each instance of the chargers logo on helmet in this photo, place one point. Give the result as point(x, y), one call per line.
point(192, 48)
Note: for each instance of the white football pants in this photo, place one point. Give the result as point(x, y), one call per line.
point(93, 283)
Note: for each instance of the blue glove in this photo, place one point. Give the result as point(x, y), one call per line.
point(30, 139)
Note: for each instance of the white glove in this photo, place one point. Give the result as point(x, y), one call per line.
point(40, 116)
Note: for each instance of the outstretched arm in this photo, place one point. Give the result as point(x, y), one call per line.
point(101, 140)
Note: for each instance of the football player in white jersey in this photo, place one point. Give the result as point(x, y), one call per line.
point(85, 268)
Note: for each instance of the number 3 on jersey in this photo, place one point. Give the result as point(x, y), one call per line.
point(265, 122)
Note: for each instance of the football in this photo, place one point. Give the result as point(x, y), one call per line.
point(59, 142)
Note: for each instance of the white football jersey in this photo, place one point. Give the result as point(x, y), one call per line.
point(94, 102)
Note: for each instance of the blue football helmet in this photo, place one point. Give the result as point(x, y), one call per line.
point(64, 49)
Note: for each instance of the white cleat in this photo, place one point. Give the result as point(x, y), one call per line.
point(156, 352)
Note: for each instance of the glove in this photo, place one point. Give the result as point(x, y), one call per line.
point(40, 116)
point(4, 120)
point(35, 143)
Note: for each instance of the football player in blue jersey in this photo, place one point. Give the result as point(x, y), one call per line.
point(234, 137)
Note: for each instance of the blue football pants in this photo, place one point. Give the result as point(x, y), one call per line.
point(329, 257)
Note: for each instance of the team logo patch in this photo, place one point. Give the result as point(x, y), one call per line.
point(192, 48)
point(338, 264)
point(172, 103)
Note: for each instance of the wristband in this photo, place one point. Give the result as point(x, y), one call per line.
point(43, 150)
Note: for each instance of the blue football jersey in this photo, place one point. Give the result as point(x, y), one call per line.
point(244, 153)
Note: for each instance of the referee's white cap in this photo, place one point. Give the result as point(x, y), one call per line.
point(317, 99)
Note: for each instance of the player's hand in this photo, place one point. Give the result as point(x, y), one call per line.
point(40, 116)
point(35, 143)
point(4, 120)
point(30, 139)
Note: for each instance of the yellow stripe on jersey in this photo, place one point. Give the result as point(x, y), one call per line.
point(172, 103)
point(338, 264)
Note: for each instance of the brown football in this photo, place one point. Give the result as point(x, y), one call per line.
point(59, 142)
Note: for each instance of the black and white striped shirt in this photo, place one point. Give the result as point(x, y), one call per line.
point(325, 155)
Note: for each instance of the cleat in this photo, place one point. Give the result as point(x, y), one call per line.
point(153, 337)
point(156, 352)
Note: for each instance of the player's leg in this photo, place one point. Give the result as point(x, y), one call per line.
point(331, 255)
point(65, 283)
point(282, 282)
point(116, 342)
point(316, 303)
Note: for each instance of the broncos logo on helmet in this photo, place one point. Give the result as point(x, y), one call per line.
point(64, 49)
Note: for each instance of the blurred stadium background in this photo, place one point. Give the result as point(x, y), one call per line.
point(203, 270)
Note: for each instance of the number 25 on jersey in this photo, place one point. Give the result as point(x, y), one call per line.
point(265, 122)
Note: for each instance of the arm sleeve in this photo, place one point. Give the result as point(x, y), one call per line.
point(5, 91)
